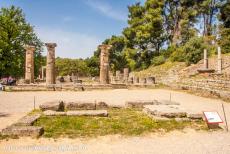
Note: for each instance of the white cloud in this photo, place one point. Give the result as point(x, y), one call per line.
point(69, 44)
point(107, 10)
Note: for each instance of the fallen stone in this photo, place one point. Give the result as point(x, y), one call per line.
point(81, 105)
point(168, 102)
point(28, 120)
point(165, 111)
point(101, 105)
point(32, 131)
point(54, 106)
point(140, 103)
point(195, 116)
point(99, 113)
point(54, 113)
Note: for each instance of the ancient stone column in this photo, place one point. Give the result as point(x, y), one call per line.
point(50, 63)
point(29, 71)
point(126, 74)
point(219, 63)
point(43, 74)
point(136, 80)
point(205, 59)
point(104, 64)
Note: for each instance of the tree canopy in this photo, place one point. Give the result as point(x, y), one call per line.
point(15, 32)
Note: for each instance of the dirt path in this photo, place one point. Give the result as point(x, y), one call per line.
point(189, 142)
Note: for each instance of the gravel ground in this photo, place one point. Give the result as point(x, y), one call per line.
point(14, 105)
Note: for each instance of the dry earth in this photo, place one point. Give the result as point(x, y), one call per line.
point(14, 105)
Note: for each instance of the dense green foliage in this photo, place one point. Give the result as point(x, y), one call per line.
point(225, 27)
point(15, 32)
point(157, 31)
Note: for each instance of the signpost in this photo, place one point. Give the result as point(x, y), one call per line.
point(213, 119)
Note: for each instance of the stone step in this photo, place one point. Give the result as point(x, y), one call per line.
point(28, 120)
point(54, 113)
point(54, 105)
point(99, 113)
point(142, 103)
point(32, 131)
point(165, 111)
point(81, 105)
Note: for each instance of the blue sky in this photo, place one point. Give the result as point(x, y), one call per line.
point(77, 26)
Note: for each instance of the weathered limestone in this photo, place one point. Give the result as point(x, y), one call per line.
point(219, 63)
point(101, 105)
point(54, 106)
point(165, 111)
point(43, 72)
point(136, 80)
point(126, 74)
point(28, 120)
point(54, 113)
point(150, 80)
point(205, 59)
point(118, 76)
point(142, 80)
point(205, 68)
point(99, 113)
point(50, 64)
point(29, 70)
point(195, 116)
point(81, 105)
point(32, 131)
point(104, 64)
point(140, 103)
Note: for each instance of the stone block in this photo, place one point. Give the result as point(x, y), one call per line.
point(165, 111)
point(54, 113)
point(195, 116)
point(81, 105)
point(101, 105)
point(28, 120)
point(140, 103)
point(99, 113)
point(54, 106)
point(32, 131)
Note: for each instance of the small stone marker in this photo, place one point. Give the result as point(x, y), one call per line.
point(213, 119)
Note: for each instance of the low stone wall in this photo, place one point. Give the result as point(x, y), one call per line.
point(76, 87)
point(214, 88)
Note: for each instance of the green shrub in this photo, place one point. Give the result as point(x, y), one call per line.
point(191, 52)
point(158, 60)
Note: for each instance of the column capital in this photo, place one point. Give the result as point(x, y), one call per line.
point(29, 47)
point(51, 45)
point(105, 47)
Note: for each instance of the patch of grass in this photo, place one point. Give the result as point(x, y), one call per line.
point(120, 121)
point(6, 137)
point(35, 111)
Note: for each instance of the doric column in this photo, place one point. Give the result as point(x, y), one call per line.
point(104, 64)
point(29, 71)
point(205, 59)
point(50, 63)
point(126, 74)
point(219, 63)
